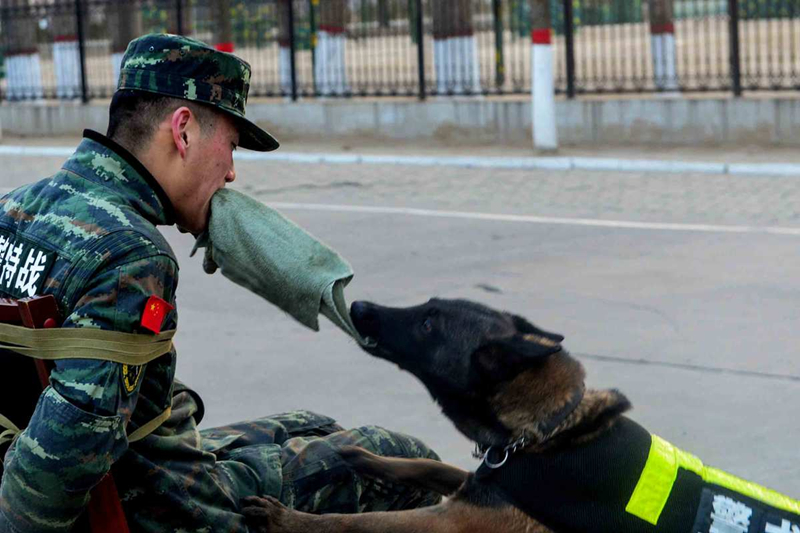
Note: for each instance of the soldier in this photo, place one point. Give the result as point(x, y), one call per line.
point(88, 236)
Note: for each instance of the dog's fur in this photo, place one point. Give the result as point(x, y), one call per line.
point(496, 376)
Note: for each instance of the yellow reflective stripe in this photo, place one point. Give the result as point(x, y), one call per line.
point(659, 474)
point(757, 492)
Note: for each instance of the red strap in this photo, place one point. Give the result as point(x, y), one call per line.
point(105, 509)
point(224, 47)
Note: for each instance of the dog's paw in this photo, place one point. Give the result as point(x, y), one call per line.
point(266, 515)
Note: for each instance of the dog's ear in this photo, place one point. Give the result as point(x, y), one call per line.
point(523, 326)
point(504, 357)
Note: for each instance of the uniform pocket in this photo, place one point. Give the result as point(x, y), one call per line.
point(78, 445)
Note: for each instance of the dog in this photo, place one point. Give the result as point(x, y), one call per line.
point(556, 456)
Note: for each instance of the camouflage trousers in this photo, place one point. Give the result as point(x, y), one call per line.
point(314, 478)
point(291, 456)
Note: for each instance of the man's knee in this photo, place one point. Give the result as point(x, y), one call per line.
point(305, 423)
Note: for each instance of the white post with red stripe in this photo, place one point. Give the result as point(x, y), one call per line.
point(116, 64)
point(67, 63)
point(665, 75)
point(545, 137)
point(24, 76)
point(285, 69)
point(330, 72)
point(662, 41)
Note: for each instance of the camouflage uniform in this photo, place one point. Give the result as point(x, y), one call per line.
point(88, 236)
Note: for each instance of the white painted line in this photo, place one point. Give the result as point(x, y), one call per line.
point(591, 222)
point(529, 219)
point(512, 163)
point(772, 169)
point(34, 151)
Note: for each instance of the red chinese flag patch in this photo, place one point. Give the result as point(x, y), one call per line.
point(154, 313)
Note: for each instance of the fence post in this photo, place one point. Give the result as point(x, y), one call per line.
point(420, 49)
point(312, 22)
point(292, 49)
point(736, 71)
point(569, 40)
point(179, 14)
point(82, 51)
point(499, 55)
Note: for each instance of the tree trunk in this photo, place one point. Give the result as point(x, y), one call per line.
point(540, 15)
point(65, 27)
point(283, 23)
point(661, 18)
point(383, 13)
point(185, 26)
point(333, 16)
point(284, 44)
point(223, 28)
point(455, 50)
point(452, 18)
point(124, 25)
point(19, 27)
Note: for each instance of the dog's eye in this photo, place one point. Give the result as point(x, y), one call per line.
point(427, 326)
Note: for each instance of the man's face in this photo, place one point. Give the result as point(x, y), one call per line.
point(209, 166)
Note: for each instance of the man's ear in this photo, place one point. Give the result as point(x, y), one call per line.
point(504, 357)
point(181, 118)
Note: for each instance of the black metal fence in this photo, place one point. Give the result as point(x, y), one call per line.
point(70, 49)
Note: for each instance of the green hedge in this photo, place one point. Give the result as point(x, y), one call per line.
point(769, 9)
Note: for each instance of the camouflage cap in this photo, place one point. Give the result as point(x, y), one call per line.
point(181, 67)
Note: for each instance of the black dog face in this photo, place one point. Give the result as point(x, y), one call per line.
point(462, 351)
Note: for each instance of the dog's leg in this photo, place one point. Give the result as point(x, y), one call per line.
point(424, 473)
point(268, 515)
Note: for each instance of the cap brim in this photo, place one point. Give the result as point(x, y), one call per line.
point(252, 137)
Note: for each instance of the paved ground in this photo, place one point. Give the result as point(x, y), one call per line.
point(696, 325)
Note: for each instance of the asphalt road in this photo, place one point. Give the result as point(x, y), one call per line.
point(695, 320)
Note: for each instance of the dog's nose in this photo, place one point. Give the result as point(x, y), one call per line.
point(359, 310)
point(364, 318)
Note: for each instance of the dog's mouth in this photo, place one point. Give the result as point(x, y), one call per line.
point(366, 321)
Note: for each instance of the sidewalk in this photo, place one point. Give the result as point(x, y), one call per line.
point(742, 161)
point(366, 145)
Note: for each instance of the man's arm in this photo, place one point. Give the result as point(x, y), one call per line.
point(78, 428)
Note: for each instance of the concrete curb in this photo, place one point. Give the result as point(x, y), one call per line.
point(511, 163)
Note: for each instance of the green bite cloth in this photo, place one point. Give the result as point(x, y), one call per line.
point(258, 248)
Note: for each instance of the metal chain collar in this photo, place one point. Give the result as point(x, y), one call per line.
point(483, 453)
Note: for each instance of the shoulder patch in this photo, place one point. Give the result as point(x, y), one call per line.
point(131, 376)
point(154, 312)
point(726, 511)
point(23, 266)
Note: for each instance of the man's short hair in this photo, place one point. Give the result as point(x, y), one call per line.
point(134, 116)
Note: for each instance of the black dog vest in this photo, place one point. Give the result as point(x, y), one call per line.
point(628, 481)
